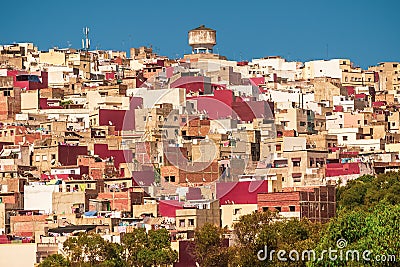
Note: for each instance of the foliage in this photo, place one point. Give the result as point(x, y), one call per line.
point(142, 249)
point(66, 102)
point(368, 219)
point(136, 249)
point(90, 248)
point(376, 229)
point(55, 260)
point(253, 233)
point(209, 247)
point(367, 191)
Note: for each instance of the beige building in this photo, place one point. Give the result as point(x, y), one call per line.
point(53, 57)
point(292, 119)
point(389, 76)
point(231, 214)
point(325, 89)
point(10, 254)
point(196, 213)
point(149, 207)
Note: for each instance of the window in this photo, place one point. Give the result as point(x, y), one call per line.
point(53, 156)
point(296, 162)
point(236, 211)
point(292, 208)
point(89, 186)
point(279, 209)
point(302, 123)
point(182, 223)
point(345, 138)
point(72, 171)
point(44, 157)
point(191, 222)
point(37, 158)
point(7, 93)
point(169, 178)
point(265, 209)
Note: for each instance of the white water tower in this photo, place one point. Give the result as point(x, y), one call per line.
point(202, 40)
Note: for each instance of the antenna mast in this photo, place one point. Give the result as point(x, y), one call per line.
point(86, 40)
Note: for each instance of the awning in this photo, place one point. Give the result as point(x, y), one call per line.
point(72, 228)
point(5, 153)
point(296, 159)
point(53, 182)
point(90, 213)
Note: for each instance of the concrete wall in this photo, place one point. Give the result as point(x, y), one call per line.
point(230, 214)
point(17, 255)
point(39, 197)
point(62, 202)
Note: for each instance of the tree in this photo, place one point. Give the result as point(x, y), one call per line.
point(258, 234)
point(367, 191)
point(55, 260)
point(132, 244)
point(367, 220)
point(209, 246)
point(92, 250)
point(252, 234)
point(152, 249)
point(376, 230)
point(160, 246)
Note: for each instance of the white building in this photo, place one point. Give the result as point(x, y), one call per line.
point(346, 102)
point(39, 196)
point(324, 68)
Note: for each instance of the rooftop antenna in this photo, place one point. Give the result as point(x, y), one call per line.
point(327, 51)
point(86, 40)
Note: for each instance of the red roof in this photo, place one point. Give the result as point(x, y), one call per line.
point(167, 208)
point(240, 192)
point(338, 169)
point(48, 177)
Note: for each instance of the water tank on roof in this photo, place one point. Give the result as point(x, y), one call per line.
point(202, 40)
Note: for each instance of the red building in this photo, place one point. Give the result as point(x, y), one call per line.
point(318, 204)
point(167, 208)
point(29, 81)
point(194, 84)
point(68, 154)
point(224, 104)
point(244, 192)
point(118, 156)
point(338, 169)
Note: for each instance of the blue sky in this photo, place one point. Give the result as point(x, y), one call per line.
point(364, 31)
